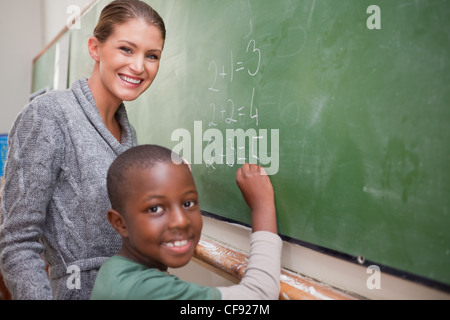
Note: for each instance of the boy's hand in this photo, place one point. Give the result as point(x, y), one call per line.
point(257, 191)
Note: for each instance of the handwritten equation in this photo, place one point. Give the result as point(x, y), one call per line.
point(231, 110)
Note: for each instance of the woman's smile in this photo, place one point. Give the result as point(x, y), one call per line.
point(128, 62)
point(129, 80)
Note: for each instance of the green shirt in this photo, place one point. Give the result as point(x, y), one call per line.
point(120, 278)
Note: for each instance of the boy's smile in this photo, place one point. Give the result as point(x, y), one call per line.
point(162, 223)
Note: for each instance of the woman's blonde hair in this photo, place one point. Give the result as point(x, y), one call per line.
point(120, 11)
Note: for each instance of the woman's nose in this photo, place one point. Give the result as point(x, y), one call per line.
point(137, 65)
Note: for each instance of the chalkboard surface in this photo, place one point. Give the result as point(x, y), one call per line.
point(347, 104)
point(44, 70)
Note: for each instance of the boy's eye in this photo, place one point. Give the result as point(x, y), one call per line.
point(156, 209)
point(189, 204)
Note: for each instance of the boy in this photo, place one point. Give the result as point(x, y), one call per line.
point(156, 211)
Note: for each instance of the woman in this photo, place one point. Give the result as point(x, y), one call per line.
point(54, 201)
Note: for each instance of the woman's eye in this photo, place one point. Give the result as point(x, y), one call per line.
point(125, 49)
point(152, 57)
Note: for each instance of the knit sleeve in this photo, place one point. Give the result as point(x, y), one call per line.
point(34, 158)
point(262, 276)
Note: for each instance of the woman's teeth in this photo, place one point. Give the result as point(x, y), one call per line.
point(130, 80)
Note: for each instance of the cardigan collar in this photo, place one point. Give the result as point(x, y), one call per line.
point(86, 100)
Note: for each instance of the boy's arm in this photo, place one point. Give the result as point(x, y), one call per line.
point(262, 276)
point(258, 193)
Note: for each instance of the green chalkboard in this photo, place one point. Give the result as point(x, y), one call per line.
point(51, 66)
point(347, 104)
point(44, 70)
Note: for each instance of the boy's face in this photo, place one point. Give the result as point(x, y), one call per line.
point(162, 216)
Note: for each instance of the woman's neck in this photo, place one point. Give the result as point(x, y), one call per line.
point(106, 106)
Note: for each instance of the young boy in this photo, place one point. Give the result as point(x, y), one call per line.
point(156, 211)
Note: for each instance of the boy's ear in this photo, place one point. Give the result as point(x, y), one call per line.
point(117, 222)
point(93, 45)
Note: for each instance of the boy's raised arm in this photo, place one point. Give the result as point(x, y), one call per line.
point(262, 276)
point(258, 193)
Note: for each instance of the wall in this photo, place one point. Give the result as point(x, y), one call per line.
point(21, 40)
point(27, 26)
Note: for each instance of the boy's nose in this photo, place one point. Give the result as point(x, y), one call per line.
point(178, 219)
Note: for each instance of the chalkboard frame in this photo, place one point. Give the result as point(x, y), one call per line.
point(358, 260)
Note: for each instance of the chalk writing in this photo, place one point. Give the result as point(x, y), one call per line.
point(229, 149)
point(230, 111)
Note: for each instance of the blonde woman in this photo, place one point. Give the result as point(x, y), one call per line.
point(61, 145)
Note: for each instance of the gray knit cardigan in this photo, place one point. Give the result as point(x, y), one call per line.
point(54, 201)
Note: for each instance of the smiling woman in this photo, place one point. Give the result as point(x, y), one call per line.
point(61, 145)
point(125, 66)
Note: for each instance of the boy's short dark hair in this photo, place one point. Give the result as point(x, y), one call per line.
point(139, 157)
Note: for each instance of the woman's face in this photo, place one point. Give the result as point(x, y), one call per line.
point(128, 60)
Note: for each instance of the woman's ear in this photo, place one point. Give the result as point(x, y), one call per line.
point(117, 222)
point(93, 45)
